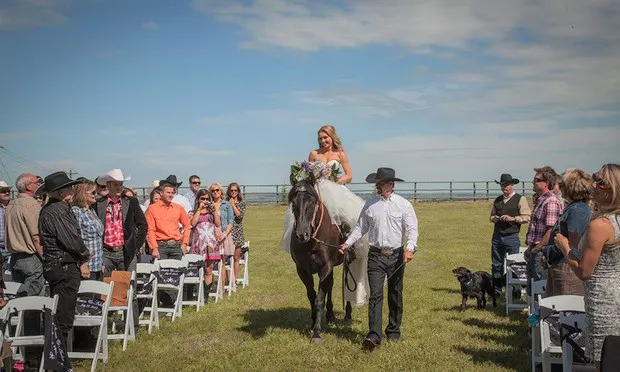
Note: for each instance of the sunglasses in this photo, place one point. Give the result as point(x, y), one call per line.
point(93, 193)
point(195, 182)
point(5, 191)
point(538, 180)
point(215, 190)
point(39, 197)
point(233, 190)
point(207, 199)
point(600, 183)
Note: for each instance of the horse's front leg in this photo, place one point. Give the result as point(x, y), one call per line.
point(329, 315)
point(347, 312)
point(308, 281)
point(326, 278)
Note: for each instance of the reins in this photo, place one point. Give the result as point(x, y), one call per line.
point(346, 271)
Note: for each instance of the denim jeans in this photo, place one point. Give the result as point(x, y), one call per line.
point(27, 269)
point(502, 245)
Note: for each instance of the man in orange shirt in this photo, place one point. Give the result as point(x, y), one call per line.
point(163, 219)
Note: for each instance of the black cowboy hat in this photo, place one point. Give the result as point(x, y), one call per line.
point(171, 179)
point(57, 181)
point(506, 179)
point(383, 174)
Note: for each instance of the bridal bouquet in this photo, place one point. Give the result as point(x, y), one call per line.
point(319, 169)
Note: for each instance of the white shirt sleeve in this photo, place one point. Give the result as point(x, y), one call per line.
point(360, 229)
point(410, 221)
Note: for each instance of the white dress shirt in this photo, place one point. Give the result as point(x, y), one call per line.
point(387, 222)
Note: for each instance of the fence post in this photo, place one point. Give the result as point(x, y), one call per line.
point(415, 192)
point(474, 186)
point(451, 191)
point(487, 190)
point(277, 194)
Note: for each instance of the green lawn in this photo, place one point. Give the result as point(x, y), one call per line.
point(266, 326)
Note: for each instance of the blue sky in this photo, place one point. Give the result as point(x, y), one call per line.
point(236, 90)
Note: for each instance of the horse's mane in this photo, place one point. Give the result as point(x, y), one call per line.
point(302, 186)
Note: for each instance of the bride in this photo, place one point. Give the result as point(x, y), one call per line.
point(343, 206)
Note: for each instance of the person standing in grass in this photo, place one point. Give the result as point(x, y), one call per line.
point(205, 222)
point(388, 219)
point(509, 211)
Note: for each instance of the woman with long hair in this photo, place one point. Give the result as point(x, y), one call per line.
point(91, 229)
point(234, 197)
point(224, 210)
point(205, 222)
point(596, 261)
point(344, 207)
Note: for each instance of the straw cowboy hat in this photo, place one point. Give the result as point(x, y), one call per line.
point(154, 185)
point(57, 181)
point(113, 175)
point(383, 174)
point(506, 179)
point(4, 185)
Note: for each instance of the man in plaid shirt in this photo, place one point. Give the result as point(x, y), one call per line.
point(547, 210)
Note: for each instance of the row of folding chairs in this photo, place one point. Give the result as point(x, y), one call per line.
point(96, 300)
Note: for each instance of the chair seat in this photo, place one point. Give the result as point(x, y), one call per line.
point(27, 340)
point(87, 321)
point(117, 308)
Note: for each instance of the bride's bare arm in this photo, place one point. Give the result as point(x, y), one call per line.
point(344, 161)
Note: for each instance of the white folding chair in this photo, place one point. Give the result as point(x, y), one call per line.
point(20, 305)
point(556, 304)
point(577, 321)
point(96, 320)
point(173, 267)
point(146, 278)
point(539, 287)
point(10, 293)
point(195, 276)
point(126, 308)
point(513, 281)
point(243, 260)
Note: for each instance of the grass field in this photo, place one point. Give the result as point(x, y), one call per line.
point(266, 326)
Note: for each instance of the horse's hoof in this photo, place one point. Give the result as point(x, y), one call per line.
point(331, 319)
point(315, 340)
point(348, 320)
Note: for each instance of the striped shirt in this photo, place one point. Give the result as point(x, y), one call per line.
point(547, 211)
point(91, 230)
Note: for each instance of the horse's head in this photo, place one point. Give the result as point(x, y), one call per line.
point(304, 202)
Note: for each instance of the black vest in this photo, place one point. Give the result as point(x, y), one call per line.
point(511, 208)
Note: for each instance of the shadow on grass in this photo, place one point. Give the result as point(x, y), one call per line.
point(293, 318)
point(507, 359)
point(446, 290)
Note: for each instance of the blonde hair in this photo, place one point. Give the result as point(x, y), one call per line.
point(575, 185)
point(81, 193)
point(219, 187)
point(610, 173)
point(331, 132)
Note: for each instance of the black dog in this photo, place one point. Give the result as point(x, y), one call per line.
point(475, 285)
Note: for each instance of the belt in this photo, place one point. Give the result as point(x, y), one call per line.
point(386, 251)
point(169, 242)
point(113, 249)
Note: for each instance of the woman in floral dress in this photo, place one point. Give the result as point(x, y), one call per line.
point(205, 223)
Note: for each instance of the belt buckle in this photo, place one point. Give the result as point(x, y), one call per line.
point(386, 251)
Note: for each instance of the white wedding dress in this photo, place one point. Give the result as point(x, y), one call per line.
point(343, 206)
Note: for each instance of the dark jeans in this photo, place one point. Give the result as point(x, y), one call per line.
point(501, 246)
point(64, 281)
point(168, 252)
point(28, 270)
point(116, 261)
point(96, 275)
point(380, 266)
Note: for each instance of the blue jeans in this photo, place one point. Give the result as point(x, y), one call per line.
point(501, 245)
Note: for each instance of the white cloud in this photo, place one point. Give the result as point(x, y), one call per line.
point(23, 14)
point(150, 25)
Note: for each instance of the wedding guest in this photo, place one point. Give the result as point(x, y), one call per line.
point(91, 229)
point(234, 197)
point(227, 217)
point(596, 261)
point(205, 222)
point(194, 186)
point(5, 197)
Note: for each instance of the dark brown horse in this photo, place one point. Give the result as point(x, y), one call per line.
point(314, 248)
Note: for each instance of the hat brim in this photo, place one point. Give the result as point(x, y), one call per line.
point(178, 184)
point(68, 184)
point(515, 181)
point(103, 180)
point(372, 178)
